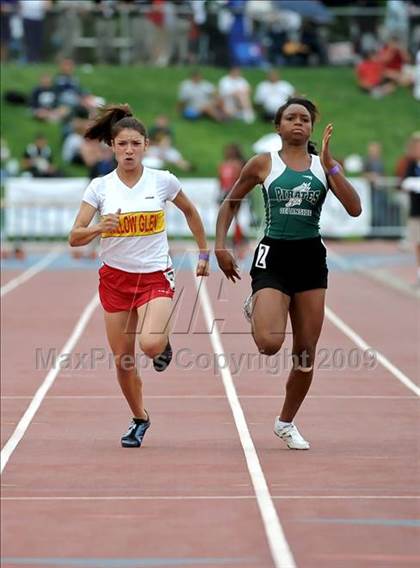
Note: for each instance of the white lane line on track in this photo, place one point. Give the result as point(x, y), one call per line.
point(327, 497)
point(360, 342)
point(279, 547)
point(218, 396)
point(39, 396)
point(30, 272)
point(347, 330)
point(202, 497)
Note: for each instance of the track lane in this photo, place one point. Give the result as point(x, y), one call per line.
point(364, 443)
point(343, 466)
point(192, 450)
point(36, 317)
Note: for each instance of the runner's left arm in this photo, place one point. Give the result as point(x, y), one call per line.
point(341, 187)
point(196, 226)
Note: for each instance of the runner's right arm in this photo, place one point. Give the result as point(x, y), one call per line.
point(81, 234)
point(253, 173)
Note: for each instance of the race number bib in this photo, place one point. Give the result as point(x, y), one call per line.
point(170, 277)
point(261, 256)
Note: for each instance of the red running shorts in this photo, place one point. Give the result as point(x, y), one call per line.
point(121, 291)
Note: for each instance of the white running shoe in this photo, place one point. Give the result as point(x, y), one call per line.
point(291, 435)
point(248, 308)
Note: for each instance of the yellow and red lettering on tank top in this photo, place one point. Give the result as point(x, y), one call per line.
point(138, 224)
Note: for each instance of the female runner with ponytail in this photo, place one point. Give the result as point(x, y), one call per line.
point(289, 271)
point(136, 280)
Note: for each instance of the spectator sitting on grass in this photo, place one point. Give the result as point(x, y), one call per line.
point(161, 153)
point(105, 162)
point(67, 85)
point(69, 91)
point(393, 58)
point(370, 77)
point(44, 101)
point(161, 126)
point(198, 98)
point(76, 149)
point(272, 94)
point(37, 158)
point(235, 92)
point(9, 166)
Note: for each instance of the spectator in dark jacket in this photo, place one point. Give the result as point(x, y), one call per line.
point(44, 101)
point(37, 158)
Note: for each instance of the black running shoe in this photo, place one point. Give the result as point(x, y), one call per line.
point(133, 438)
point(160, 362)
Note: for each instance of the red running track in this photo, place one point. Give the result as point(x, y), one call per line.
point(186, 498)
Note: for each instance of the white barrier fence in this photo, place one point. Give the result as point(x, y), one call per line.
point(45, 208)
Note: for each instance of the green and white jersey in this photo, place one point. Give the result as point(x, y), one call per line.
point(293, 200)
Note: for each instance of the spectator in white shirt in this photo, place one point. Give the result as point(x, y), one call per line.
point(198, 98)
point(272, 94)
point(235, 93)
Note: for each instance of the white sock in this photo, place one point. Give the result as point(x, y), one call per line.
point(283, 424)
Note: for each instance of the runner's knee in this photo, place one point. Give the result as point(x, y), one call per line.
point(153, 345)
point(124, 362)
point(269, 344)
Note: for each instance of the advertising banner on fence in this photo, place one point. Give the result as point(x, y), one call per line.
point(42, 207)
point(336, 222)
point(46, 208)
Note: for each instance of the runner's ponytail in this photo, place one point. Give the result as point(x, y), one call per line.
point(111, 120)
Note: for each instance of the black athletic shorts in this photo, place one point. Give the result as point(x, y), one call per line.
point(290, 265)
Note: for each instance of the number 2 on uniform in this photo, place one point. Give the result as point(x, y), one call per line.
point(261, 256)
point(170, 277)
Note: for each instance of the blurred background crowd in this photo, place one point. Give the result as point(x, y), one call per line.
point(380, 39)
point(214, 69)
point(214, 32)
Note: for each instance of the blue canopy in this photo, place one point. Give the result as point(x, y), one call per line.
point(310, 9)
